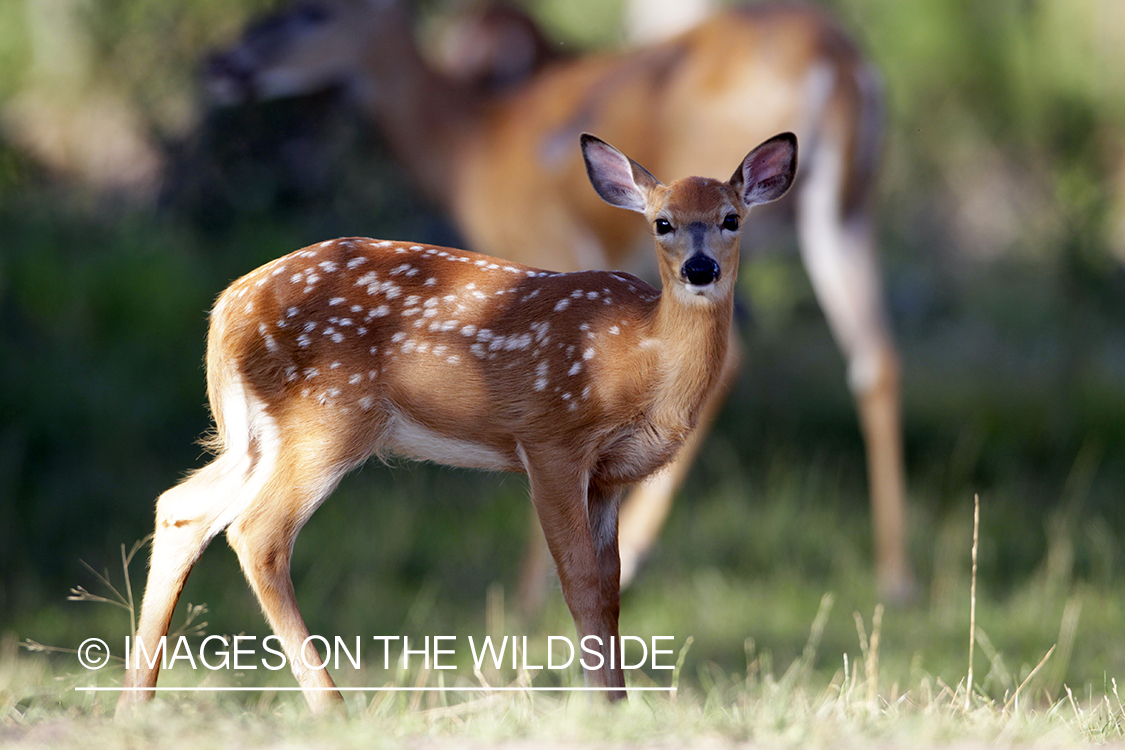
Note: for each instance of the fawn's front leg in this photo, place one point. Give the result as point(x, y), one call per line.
point(580, 524)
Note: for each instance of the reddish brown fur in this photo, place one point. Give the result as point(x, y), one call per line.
point(413, 370)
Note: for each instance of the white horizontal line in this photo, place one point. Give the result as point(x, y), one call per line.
point(371, 689)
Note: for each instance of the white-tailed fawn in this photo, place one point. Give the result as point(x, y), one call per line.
point(586, 381)
point(688, 105)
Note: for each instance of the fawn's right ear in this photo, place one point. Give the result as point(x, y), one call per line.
point(619, 180)
point(767, 172)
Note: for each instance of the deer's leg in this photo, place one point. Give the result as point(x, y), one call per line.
point(586, 252)
point(602, 504)
point(645, 507)
point(188, 516)
point(839, 253)
point(582, 542)
point(263, 536)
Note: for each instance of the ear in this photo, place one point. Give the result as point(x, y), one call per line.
point(619, 180)
point(767, 172)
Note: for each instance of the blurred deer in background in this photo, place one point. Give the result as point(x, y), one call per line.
point(587, 381)
point(501, 165)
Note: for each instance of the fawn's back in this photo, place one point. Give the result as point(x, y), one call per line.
point(403, 345)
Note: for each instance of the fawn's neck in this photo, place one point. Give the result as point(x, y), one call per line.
point(691, 340)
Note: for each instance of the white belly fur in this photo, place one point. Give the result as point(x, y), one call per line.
point(408, 438)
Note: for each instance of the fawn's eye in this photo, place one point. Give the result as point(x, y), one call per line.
point(663, 226)
point(730, 223)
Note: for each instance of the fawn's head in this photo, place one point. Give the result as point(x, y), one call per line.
point(696, 220)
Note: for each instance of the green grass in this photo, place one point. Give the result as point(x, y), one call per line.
point(854, 681)
point(783, 651)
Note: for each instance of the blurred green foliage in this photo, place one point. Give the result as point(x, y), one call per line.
point(1001, 224)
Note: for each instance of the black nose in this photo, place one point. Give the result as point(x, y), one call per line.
point(700, 270)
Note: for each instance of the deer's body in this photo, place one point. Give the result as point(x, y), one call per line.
point(370, 330)
point(586, 381)
point(502, 165)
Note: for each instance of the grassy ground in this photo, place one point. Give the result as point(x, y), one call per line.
point(798, 655)
point(823, 698)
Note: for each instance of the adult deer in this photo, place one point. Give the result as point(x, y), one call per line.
point(502, 167)
point(586, 381)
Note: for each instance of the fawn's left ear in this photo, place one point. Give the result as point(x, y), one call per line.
point(619, 180)
point(767, 172)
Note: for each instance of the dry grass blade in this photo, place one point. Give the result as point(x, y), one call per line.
point(1016, 695)
point(973, 601)
point(871, 663)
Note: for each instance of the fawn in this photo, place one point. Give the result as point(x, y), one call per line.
point(586, 381)
point(687, 105)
